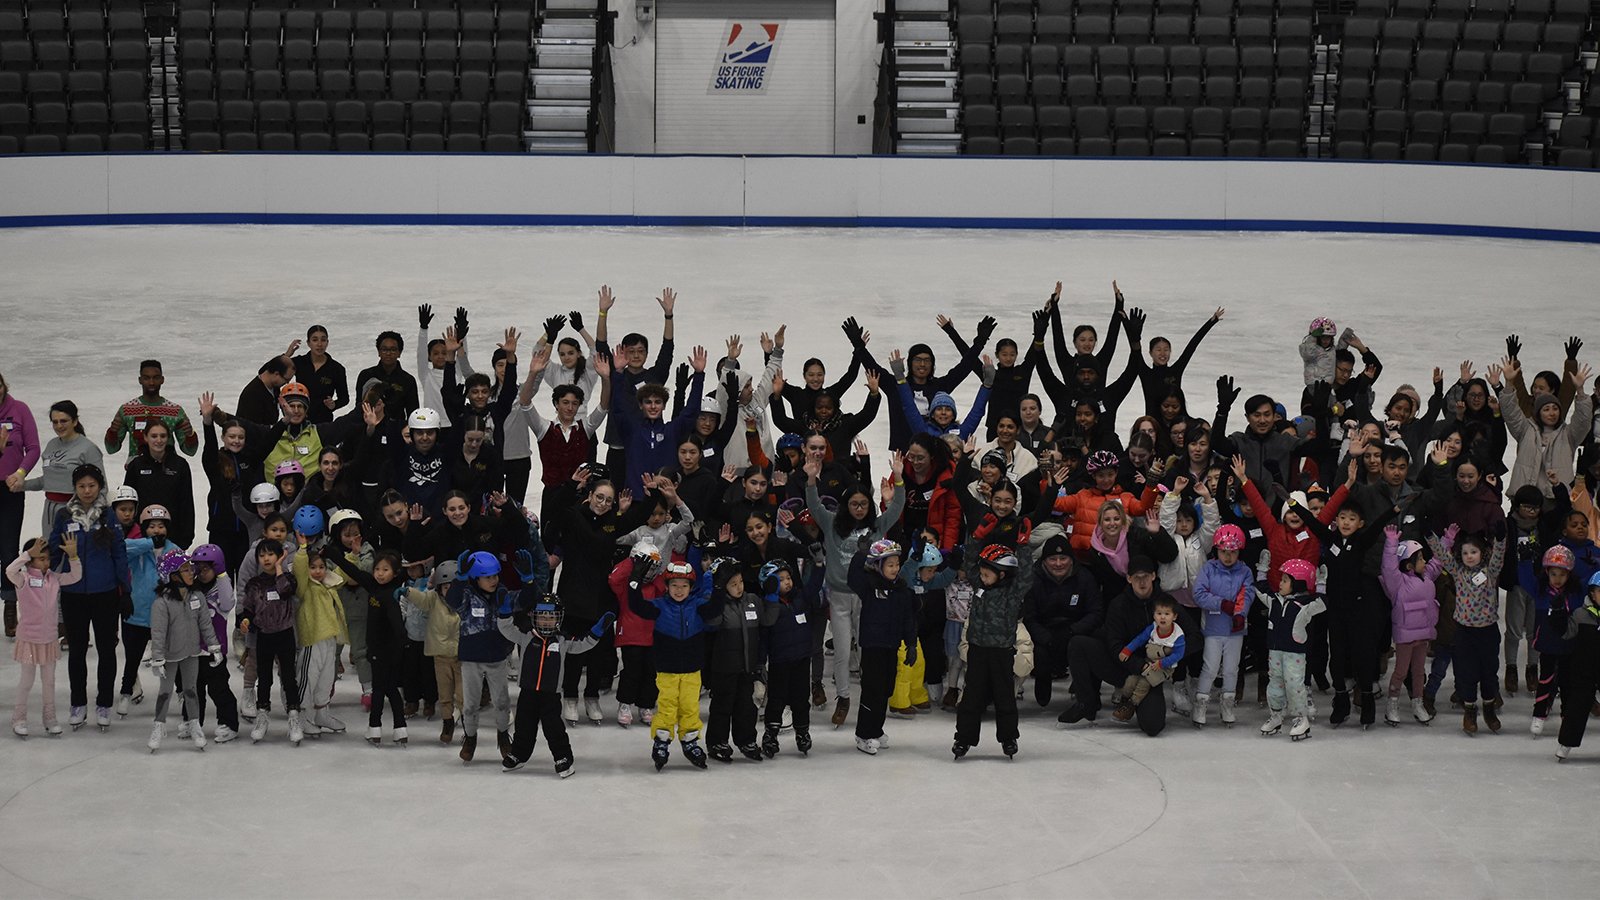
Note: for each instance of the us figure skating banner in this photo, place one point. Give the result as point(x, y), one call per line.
point(745, 61)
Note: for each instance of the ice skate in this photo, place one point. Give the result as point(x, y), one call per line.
point(1273, 724)
point(569, 710)
point(721, 753)
point(197, 735)
point(102, 718)
point(868, 746)
point(564, 767)
point(1536, 725)
point(248, 713)
point(1427, 704)
point(1198, 713)
point(951, 699)
point(511, 763)
point(78, 717)
point(1311, 709)
point(183, 730)
point(1369, 708)
point(258, 730)
point(647, 715)
point(20, 729)
point(123, 702)
point(1469, 719)
point(1530, 677)
point(53, 729)
point(138, 690)
point(411, 709)
point(366, 701)
point(591, 710)
point(1511, 680)
point(503, 741)
point(447, 731)
point(1123, 712)
point(959, 749)
point(1009, 748)
point(224, 734)
point(157, 732)
point(374, 735)
point(802, 741)
point(1490, 717)
point(625, 714)
point(1341, 708)
point(1391, 715)
point(1228, 718)
point(819, 697)
point(469, 744)
point(1420, 713)
point(1180, 698)
point(661, 749)
point(327, 721)
point(841, 711)
point(692, 749)
point(400, 737)
point(751, 751)
point(769, 741)
point(1562, 752)
point(1301, 729)
point(296, 733)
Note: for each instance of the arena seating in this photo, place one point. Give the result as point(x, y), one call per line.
point(1447, 80)
point(73, 77)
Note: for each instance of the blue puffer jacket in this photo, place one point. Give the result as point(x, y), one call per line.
point(142, 556)
point(789, 638)
point(1217, 584)
point(481, 640)
point(105, 567)
point(679, 644)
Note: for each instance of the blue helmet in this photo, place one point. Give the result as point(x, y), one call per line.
point(770, 571)
point(308, 521)
point(1594, 580)
point(479, 565)
point(929, 557)
point(791, 441)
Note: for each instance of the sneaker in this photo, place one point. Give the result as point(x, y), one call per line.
point(819, 697)
point(868, 746)
point(564, 767)
point(841, 712)
point(224, 734)
point(625, 715)
point(591, 710)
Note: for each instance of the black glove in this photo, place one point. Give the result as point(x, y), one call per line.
point(1513, 346)
point(1558, 620)
point(1135, 325)
point(552, 327)
point(1321, 395)
point(986, 327)
point(576, 318)
point(522, 621)
point(1574, 344)
point(683, 377)
point(853, 332)
point(1226, 392)
point(425, 315)
point(641, 567)
point(911, 655)
point(461, 323)
point(952, 557)
point(731, 384)
point(1041, 321)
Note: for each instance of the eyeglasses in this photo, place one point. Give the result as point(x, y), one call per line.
point(602, 500)
point(389, 349)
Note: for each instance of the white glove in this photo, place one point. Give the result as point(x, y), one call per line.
point(159, 667)
point(761, 693)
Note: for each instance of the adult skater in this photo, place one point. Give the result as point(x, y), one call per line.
point(19, 450)
point(323, 376)
point(65, 452)
point(135, 415)
point(394, 385)
point(1126, 617)
point(258, 402)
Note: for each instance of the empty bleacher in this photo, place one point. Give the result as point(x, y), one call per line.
point(74, 77)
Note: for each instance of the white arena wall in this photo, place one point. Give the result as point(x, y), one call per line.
point(1095, 194)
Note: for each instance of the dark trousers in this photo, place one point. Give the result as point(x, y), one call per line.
point(1316, 651)
point(819, 653)
point(787, 687)
point(733, 708)
point(11, 509)
point(1093, 663)
point(930, 632)
point(599, 663)
point(417, 683)
point(1577, 699)
point(82, 612)
point(135, 638)
point(234, 544)
point(1341, 648)
point(385, 686)
point(989, 680)
point(517, 471)
point(214, 682)
point(637, 682)
point(877, 684)
point(1551, 666)
point(1373, 629)
point(535, 710)
point(278, 647)
point(1194, 647)
point(1476, 656)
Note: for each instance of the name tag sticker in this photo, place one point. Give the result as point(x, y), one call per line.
point(36, 582)
point(800, 619)
point(1335, 550)
point(750, 615)
point(1303, 536)
point(1255, 532)
point(194, 604)
point(272, 595)
point(1480, 578)
point(477, 612)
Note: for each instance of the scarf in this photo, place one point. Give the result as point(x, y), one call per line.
point(88, 519)
point(1118, 555)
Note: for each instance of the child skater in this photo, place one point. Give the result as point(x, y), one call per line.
point(211, 576)
point(957, 607)
point(180, 632)
point(1559, 592)
point(1581, 628)
point(1003, 577)
point(537, 631)
point(484, 650)
point(268, 611)
point(1474, 567)
point(788, 643)
point(1163, 646)
point(319, 622)
point(1408, 578)
point(888, 620)
point(1224, 591)
point(38, 606)
point(735, 663)
point(682, 618)
point(442, 643)
point(386, 634)
point(1289, 615)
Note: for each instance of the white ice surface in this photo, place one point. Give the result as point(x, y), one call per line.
point(1097, 811)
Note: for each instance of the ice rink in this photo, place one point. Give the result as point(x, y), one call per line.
point(1089, 811)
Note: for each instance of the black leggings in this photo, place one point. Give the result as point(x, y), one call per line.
point(989, 680)
point(277, 647)
point(82, 612)
point(385, 687)
point(135, 638)
point(637, 683)
point(877, 684)
point(416, 674)
point(930, 633)
point(214, 681)
point(600, 662)
point(787, 687)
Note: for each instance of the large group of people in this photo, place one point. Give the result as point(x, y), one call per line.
point(713, 527)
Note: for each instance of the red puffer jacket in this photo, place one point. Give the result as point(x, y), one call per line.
point(1082, 512)
point(1284, 543)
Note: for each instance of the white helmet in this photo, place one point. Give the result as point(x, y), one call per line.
point(264, 493)
point(423, 419)
point(341, 516)
point(125, 494)
point(155, 511)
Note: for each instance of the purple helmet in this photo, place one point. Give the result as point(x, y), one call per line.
point(209, 554)
point(170, 563)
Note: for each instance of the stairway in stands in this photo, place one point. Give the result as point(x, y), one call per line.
point(924, 58)
point(566, 57)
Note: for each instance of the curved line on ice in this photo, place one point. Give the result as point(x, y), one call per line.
point(25, 788)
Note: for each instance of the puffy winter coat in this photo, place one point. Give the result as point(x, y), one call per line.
point(1540, 449)
point(789, 637)
point(1284, 543)
point(101, 549)
point(1082, 512)
point(1218, 585)
point(633, 630)
point(321, 613)
point(180, 625)
point(1414, 605)
point(992, 618)
point(737, 645)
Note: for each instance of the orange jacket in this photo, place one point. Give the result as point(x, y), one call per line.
point(1082, 511)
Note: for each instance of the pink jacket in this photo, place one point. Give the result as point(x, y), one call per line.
point(1414, 607)
point(38, 594)
point(22, 443)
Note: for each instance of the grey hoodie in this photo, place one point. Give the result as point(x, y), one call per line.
point(841, 550)
point(180, 625)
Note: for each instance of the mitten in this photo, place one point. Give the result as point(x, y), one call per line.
point(1238, 623)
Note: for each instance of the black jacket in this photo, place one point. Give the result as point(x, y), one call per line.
point(888, 608)
point(1073, 604)
point(1126, 617)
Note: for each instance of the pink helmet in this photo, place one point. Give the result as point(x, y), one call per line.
point(1300, 570)
point(1408, 549)
point(1559, 557)
point(287, 467)
point(1229, 537)
point(1323, 326)
point(1101, 459)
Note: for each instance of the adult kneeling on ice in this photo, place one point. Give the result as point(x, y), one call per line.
point(1127, 616)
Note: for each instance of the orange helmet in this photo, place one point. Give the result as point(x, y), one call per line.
point(294, 390)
